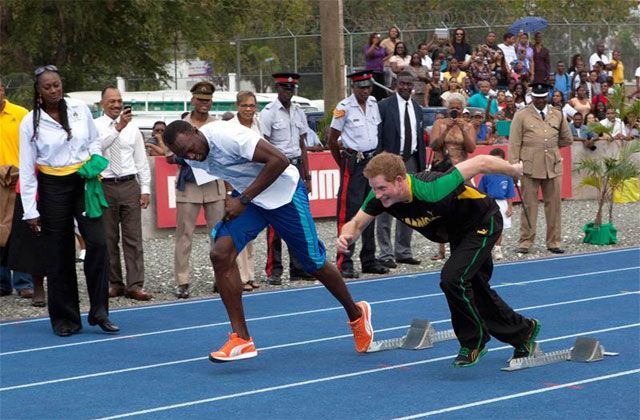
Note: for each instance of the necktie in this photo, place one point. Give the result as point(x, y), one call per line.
point(406, 152)
point(115, 156)
point(542, 115)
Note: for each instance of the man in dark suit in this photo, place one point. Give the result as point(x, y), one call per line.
point(401, 133)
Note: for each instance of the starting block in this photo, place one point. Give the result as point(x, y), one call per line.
point(420, 335)
point(585, 349)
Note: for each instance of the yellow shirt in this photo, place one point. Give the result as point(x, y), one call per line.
point(618, 72)
point(10, 118)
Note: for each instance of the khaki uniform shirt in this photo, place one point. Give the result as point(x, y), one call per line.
point(536, 142)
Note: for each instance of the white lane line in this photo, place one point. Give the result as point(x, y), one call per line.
point(325, 379)
point(520, 394)
point(291, 314)
point(298, 343)
point(356, 282)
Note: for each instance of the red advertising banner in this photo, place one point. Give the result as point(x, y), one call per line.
point(325, 181)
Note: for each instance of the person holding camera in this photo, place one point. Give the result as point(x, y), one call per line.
point(126, 183)
point(453, 138)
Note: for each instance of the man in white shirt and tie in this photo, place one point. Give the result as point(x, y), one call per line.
point(126, 185)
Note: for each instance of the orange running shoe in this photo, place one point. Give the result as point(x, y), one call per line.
point(362, 329)
point(235, 349)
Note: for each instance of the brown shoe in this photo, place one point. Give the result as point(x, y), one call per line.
point(138, 294)
point(26, 293)
point(115, 292)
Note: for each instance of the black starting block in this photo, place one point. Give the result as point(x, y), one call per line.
point(584, 350)
point(420, 335)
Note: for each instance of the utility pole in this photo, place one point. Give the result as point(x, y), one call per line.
point(332, 44)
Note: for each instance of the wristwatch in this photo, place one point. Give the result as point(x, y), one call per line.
point(244, 200)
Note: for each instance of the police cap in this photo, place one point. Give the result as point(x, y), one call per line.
point(203, 90)
point(288, 80)
point(362, 78)
point(540, 90)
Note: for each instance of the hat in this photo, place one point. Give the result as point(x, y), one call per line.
point(361, 78)
point(203, 90)
point(465, 111)
point(477, 113)
point(286, 79)
point(540, 90)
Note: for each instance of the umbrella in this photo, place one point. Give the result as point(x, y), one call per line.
point(528, 24)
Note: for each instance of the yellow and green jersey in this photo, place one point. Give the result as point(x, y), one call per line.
point(441, 206)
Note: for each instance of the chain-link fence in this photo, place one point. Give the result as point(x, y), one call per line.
point(301, 53)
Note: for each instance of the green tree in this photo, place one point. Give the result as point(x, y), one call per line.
point(92, 42)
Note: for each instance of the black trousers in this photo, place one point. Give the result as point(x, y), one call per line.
point(354, 188)
point(274, 250)
point(477, 312)
point(61, 198)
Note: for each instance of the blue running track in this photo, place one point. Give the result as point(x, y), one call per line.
point(307, 366)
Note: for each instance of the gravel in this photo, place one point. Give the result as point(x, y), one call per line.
point(159, 256)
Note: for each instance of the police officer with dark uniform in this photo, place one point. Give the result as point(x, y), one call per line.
point(284, 125)
point(355, 122)
point(538, 131)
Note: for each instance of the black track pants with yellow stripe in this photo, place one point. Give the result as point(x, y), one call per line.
point(477, 312)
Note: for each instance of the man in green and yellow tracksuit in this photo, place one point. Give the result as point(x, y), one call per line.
point(444, 209)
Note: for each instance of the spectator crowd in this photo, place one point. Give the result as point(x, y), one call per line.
point(497, 78)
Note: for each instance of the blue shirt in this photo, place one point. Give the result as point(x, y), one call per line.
point(497, 186)
point(563, 84)
point(481, 134)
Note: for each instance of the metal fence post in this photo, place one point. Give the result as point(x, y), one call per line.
point(238, 67)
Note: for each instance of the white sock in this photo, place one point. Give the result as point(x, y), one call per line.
point(83, 252)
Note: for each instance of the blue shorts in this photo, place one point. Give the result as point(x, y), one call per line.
point(292, 221)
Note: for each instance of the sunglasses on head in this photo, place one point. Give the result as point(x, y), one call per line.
point(42, 69)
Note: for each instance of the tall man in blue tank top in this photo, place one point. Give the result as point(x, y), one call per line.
point(268, 190)
point(444, 209)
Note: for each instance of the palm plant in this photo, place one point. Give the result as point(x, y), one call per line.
point(607, 175)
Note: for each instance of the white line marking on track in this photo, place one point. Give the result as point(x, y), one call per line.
point(301, 343)
point(520, 394)
point(356, 282)
point(327, 379)
point(290, 314)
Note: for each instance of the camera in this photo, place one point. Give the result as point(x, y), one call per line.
point(454, 113)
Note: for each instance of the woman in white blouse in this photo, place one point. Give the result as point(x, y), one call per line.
point(56, 139)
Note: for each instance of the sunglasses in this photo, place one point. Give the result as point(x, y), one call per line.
point(42, 69)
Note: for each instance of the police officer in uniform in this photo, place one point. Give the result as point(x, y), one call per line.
point(284, 125)
point(190, 196)
point(537, 133)
point(355, 122)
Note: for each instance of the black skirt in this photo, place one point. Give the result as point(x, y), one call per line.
point(25, 251)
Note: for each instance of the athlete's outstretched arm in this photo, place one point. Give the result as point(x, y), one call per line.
point(485, 164)
point(352, 230)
